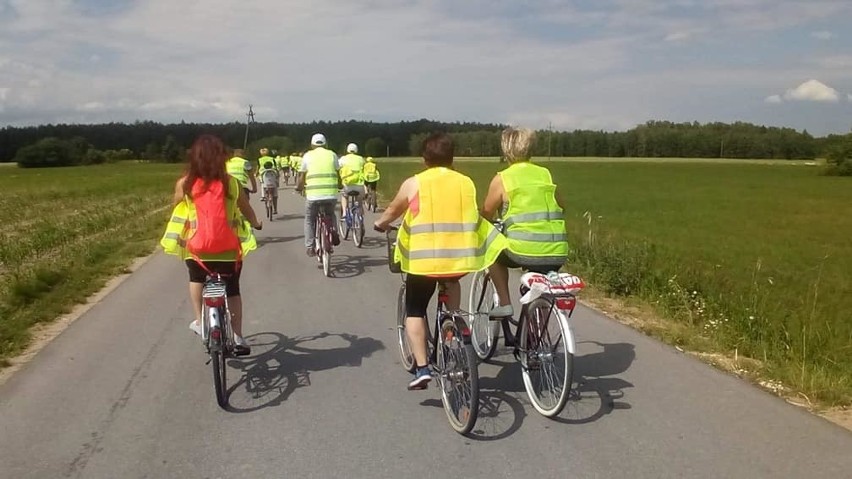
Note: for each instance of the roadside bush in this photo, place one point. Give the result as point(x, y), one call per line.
point(47, 152)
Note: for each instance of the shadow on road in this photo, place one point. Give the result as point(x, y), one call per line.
point(349, 266)
point(265, 240)
point(595, 394)
point(287, 217)
point(279, 365)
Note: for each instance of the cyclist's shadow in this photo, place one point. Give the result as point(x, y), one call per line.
point(279, 365)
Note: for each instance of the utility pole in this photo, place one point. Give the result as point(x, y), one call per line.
point(249, 119)
point(549, 137)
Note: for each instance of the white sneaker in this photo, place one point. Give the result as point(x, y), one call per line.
point(195, 327)
point(502, 312)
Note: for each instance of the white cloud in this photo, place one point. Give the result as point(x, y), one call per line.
point(849, 96)
point(773, 99)
point(812, 90)
point(823, 35)
point(678, 36)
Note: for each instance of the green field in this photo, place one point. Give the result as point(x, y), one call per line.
point(747, 259)
point(66, 231)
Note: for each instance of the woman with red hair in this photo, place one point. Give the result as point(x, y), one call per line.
point(208, 228)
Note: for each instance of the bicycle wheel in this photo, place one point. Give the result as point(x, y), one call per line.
point(268, 208)
point(547, 356)
point(458, 378)
point(358, 226)
point(483, 331)
point(217, 359)
point(326, 248)
point(405, 355)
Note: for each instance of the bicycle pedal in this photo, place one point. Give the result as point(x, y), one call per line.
point(242, 352)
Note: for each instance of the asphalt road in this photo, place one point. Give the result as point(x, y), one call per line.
point(125, 392)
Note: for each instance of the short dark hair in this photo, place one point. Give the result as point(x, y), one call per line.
point(438, 149)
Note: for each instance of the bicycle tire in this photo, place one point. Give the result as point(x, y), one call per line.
point(358, 228)
point(484, 332)
point(551, 402)
point(220, 380)
point(405, 355)
point(458, 380)
point(326, 250)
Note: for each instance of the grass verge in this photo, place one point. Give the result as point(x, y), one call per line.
point(68, 230)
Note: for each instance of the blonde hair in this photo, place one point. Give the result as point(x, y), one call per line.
point(516, 143)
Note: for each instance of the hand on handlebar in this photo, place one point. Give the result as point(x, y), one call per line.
point(258, 226)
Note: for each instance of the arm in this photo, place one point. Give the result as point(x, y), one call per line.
point(253, 183)
point(559, 200)
point(397, 207)
point(494, 199)
point(178, 196)
point(247, 211)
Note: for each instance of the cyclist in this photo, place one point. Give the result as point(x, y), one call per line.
point(371, 175)
point(351, 166)
point(442, 238)
point(207, 230)
point(534, 221)
point(269, 178)
point(284, 166)
point(240, 168)
point(263, 158)
point(318, 178)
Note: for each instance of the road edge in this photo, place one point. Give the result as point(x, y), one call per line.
point(617, 310)
point(44, 333)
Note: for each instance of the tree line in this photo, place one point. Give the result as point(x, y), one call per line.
point(166, 142)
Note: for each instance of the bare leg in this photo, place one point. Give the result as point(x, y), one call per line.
point(416, 330)
point(235, 304)
point(343, 204)
point(195, 298)
point(500, 278)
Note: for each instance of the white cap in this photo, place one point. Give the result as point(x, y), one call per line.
point(318, 139)
point(352, 148)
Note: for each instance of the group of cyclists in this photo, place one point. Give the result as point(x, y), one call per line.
point(444, 234)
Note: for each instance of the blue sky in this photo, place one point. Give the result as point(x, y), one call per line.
point(604, 64)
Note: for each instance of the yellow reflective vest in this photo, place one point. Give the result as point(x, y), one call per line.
point(534, 223)
point(351, 167)
point(371, 172)
point(183, 221)
point(321, 177)
point(236, 167)
point(446, 235)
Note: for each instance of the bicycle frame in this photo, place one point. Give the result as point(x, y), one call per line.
point(214, 308)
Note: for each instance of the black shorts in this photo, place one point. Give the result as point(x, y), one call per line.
point(197, 274)
point(508, 262)
point(418, 293)
point(371, 184)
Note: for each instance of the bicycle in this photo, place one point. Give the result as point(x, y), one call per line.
point(323, 241)
point(449, 352)
point(353, 220)
point(543, 341)
point(267, 199)
point(286, 174)
point(216, 332)
point(371, 200)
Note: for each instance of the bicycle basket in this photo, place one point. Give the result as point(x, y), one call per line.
point(394, 266)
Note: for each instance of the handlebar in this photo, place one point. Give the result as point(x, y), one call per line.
point(389, 228)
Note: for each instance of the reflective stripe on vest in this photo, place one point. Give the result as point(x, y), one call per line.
point(236, 167)
point(447, 236)
point(321, 177)
point(534, 223)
